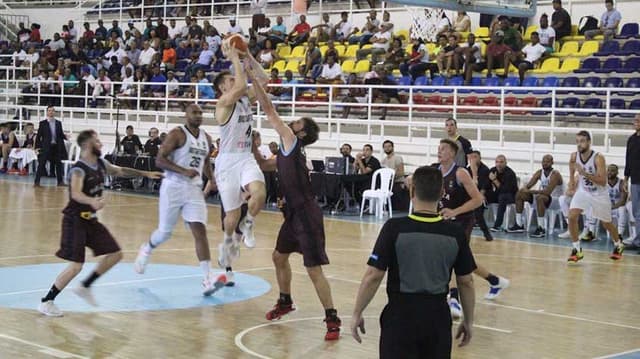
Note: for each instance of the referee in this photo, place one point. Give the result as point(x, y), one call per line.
point(419, 251)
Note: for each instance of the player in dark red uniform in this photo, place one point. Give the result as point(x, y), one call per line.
point(461, 197)
point(80, 226)
point(303, 227)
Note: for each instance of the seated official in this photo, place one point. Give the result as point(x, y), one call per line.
point(365, 164)
point(153, 143)
point(131, 144)
point(504, 185)
point(400, 198)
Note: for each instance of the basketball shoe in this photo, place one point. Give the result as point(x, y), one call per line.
point(333, 327)
point(247, 232)
point(213, 283)
point(86, 294)
point(575, 256)
point(495, 290)
point(617, 251)
point(49, 309)
point(281, 309)
point(456, 309)
point(142, 259)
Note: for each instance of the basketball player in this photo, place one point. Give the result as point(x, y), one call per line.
point(550, 187)
point(236, 169)
point(184, 155)
point(461, 197)
point(591, 193)
point(618, 197)
point(80, 226)
point(303, 227)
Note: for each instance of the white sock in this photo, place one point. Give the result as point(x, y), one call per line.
point(227, 238)
point(147, 247)
point(576, 244)
point(237, 237)
point(248, 219)
point(206, 268)
point(519, 219)
point(541, 223)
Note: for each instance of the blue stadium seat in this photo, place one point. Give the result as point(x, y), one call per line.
point(493, 82)
point(588, 65)
point(594, 103)
point(421, 81)
point(475, 81)
point(440, 81)
point(511, 82)
point(608, 48)
point(610, 65)
point(631, 65)
point(456, 81)
point(628, 30)
point(570, 81)
point(613, 82)
point(545, 103)
point(528, 82)
point(405, 81)
point(549, 81)
point(569, 102)
point(591, 81)
point(616, 104)
point(633, 105)
point(629, 48)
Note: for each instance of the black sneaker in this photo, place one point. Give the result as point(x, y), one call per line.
point(495, 229)
point(539, 233)
point(488, 237)
point(515, 229)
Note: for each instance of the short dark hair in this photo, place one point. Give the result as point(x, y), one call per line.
point(427, 182)
point(311, 129)
point(535, 33)
point(455, 122)
point(451, 143)
point(129, 127)
point(608, 2)
point(218, 80)
point(544, 15)
point(388, 141)
point(370, 147)
point(50, 106)
point(348, 145)
point(84, 136)
point(584, 133)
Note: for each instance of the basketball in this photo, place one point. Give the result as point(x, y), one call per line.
point(238, 42)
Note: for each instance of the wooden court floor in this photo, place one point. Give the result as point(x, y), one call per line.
point(551, 310)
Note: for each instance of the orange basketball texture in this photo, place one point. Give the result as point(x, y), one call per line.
point(238, 42)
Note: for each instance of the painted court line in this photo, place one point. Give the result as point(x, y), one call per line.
point(44, 209)
point(615, 355)
point(43, 348)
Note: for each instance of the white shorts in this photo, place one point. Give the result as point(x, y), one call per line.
point(232, 179)
point(180, 197)
point(598, 203)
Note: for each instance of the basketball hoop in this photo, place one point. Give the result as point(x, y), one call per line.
point(424, 22)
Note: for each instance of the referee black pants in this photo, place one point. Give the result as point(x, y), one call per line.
point(416, 330)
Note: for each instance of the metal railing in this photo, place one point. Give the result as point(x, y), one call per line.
point(9, 22)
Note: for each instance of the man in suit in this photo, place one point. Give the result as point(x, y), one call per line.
point(50, 146)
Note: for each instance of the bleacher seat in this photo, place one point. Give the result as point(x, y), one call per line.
point(631, 65)
point(570, 81)
point(362, 66)
point(631, 47)
point(633, 105)
point(569, 65)
point(491, 82)
point(421, 81)
point(546, 104)
point(283, 51)
point(569, 102)
point(548, 66)
point(569, 48)
point(529, 31)
point(608, 48)
point(548, 81)
point(511, 82)
point(297, 53)
point(616, 104)
point(351, 51)
point(348, 66)
point(588, 65)
point(404, 81)
point(610, 65)
point(633, 82)
point(293, 65)
point(591, 81)
point(529, 101)
point(280, 65)
point(628, 30)
point(481, 33)
point(404, 34)
point(492, 101)
point(468, 101)
point(588, 48)
point(613, 82)
point(510, 101)
point(593, 103)
point(531, 81)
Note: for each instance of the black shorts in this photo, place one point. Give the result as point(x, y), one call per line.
point(78, 233)
point(466, 221)
point(517, 63)
point(303, 232)
point(415, 331)
point(532, 197)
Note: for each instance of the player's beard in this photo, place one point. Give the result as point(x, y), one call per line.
point(583, 150)
point(96, 152)
point(388, 152)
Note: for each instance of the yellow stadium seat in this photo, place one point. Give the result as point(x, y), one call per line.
point(292, 65)
point(569, 64)
point(430, 47)
point(362, 66)
point(341, 49)
point(323, 50)
point(569, 48)
point(281, 65)
point(348, 66)
point(404, 34)
point(297, 52)
point(574, 35)
point(549, 65)
point(409, 48)
point(530, 30)
point(501, 71)
point(588, 48)
point(283, 51)
point(367, 46)
point(462, 36)
point(483, 48)
point(481, 32)
point(351, 51)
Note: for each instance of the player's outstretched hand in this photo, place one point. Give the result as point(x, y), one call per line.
point(97, 203)
point(155, 175)
point(464, 332)
point(357, 322)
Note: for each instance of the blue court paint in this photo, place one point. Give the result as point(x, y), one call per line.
point(628, 355)
point(162, 287)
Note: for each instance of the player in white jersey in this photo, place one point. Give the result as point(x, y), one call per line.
point(550, 189)
point(184, 155)
point(618, 197)
point(237, 173)
point(591, 193)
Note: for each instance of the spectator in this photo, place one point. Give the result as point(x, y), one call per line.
point(286, 94)
point(183, 51)
point(512, 37)
point(158, 86)
point(70, 81)
point(133, 53)
point(205, 58)
point(214, 40)
point(101, 31)
point(101, 87)
point(258, 10)
point(173, 31)
point(127, 82)
point(161, 29)
point(116, 39)
point(233, 27)
point(609, 22)
point(25, 155)
point(324, 30)
point(169, 56)
point(263, 32)
point(383, 95)
point(23, 33)
point(253, 47)
point(50, 146)
point(472, 54)
point(418, 61)
point(546, 34)
point(19, 55)
point(267, 56)
point(32, 57)
point(394, 56)
point(34, 37)
point(87, 36)
point(73, 32)
point(152, 145)
point(365, 164)
point(9, 142)
point(57, 43)
point(530, 57)
point(370, 27)
point(173, 85)
point(274, 91)
point(344, 29)
point(495, 54)
point(504, 187)
point(560, 20)
point(345, 152)
point(354, 94)
point(312, 61)
point(184, 30)
point(632, 172)
point(64, 34)
point(146, 55)
point(195, 32)
point(381, 41)
point(300, 32)
point(126, 64)
point(331, 50)
point(450, 57)
point(205, 88)
point(131, 27)
point(462, 23)
point(480, 176)
point(117, 52)
point(278, 32)
point(444, 25)
point(393, 161)
point(131, 144)
point(115, 28)
point(331, 74)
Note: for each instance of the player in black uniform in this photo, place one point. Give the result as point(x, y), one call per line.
point(461, 197)
point(80, 226)
point(303, 227)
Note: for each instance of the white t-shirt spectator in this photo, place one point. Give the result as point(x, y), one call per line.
point(609, 18)
point(119, 53)
point(375, 23)
point(123, 70)
point(546, 34)
point(258, 7)
point(425, 57)
point(205, 58)
point(477, 51)
point(73, 34)
point(19, 55)
point(214, 42)
point(184, 31)
point(345, 28)
point(533, 52)
point(56, 45)
point(127, 86)
point(146, 56)
point(382, 35)
point(235, 30)
point(332, 73)
point(174, 31)
point(173, 85)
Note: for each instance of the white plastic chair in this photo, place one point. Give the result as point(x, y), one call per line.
point(74, 155)
point(552, 213)
point(379, 196)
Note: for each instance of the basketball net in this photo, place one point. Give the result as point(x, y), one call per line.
point(424, 22)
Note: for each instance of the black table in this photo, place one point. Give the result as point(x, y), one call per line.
point(139, 162)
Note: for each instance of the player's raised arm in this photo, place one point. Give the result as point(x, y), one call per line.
point(284, 131)
point(239, 87)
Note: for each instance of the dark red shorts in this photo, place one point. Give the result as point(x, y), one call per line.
point(303, 232)
point(78, 233)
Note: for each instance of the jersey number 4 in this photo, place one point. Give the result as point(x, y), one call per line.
point(195, 162)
